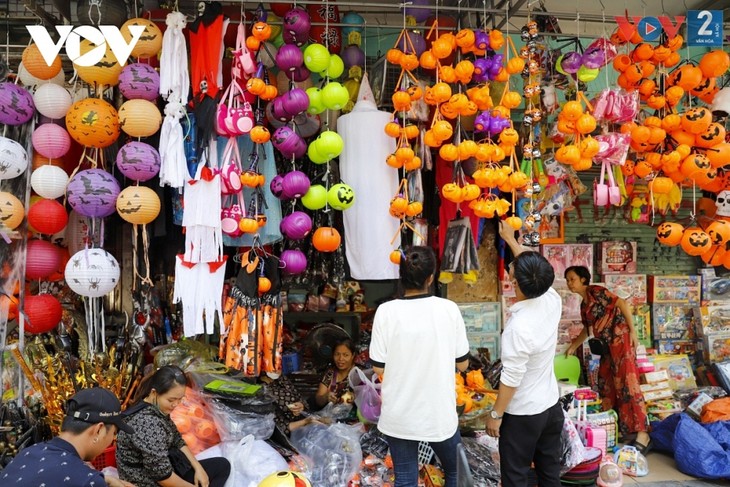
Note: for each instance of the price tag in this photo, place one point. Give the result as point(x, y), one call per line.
point(704, 28)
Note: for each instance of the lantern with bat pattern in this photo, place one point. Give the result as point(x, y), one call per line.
point(93, 122)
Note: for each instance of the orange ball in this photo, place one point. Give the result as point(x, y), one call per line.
point(183, 423)
point(196, 411)
point(205, 429)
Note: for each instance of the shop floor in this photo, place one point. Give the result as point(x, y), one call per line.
point(663, 473)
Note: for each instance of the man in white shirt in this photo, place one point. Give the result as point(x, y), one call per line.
point(526, 416)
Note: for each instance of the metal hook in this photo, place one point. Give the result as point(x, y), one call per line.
point(603, 7)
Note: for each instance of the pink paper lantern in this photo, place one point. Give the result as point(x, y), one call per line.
point(43, 259)
point(51, 141)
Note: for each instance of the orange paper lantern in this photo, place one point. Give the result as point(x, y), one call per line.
point(93, 122)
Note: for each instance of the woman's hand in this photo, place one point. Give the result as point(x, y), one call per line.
point(201, 476)
point(296, 408)
point(634, 339)
point(332, 397)
point(571, 350)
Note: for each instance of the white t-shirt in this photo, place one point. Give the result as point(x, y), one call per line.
point(419, 340)
point(528, 351)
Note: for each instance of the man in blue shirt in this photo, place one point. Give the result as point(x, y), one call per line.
point(93, 417)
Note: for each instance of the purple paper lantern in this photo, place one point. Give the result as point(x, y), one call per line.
point(594, 58)
point(571, 62)
point(297, 21)
point(288, 142)
point(300, 74)
point(93, 193)
point(296, 226)
point(294, 38)
point(353, 56)
point(276, 185)
point(289, 57)
point(138, 161)
point(293, 262)
point(419, 43)
point(16, 104)
point(420, 14)
point(295, 185)
point(139, 80)
point(278, 112)
point(295, 101)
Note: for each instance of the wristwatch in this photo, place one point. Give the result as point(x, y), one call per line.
point(493, 414)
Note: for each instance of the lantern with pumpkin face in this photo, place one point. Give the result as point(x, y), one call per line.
point(149, 43)
point(138, 205)
point(715, 134)
point(695, 241)
point(719, 232)
point(696, 120)
point(341, 196)
point(11, 211)
point(670, 233)
point(93, 122)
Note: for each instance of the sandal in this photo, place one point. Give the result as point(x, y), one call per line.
point(643, 449)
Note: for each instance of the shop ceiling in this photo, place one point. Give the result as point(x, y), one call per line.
point(589, 18)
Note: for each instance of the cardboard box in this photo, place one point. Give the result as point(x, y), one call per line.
point(655, 386)
point(675, 289)
point(630, 287)
point(655, 377)
point(642, 324)
point(715, 289)
point(679, 370)
point(675, 347)
point(673, 322)
point(617, 257)
point(717, 347)
point(713, 319)
point(695, 407)
point(657, 395)
point(562, 256)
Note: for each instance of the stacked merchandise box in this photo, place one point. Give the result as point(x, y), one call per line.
point(632, 288)
point(678, 371)
point(617, 257)
point(658, 394)
point(713, 328)
point(483, 326)
point(673, 324)
point(714, 288)
point(562, 256)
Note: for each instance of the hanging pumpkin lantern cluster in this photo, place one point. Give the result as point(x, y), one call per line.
point(574, 120)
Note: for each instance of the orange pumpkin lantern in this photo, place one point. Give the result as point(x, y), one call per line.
point(715, 134)
point(326, 239)
point(714, 63)
point(719, 232)
point(670, 233)
point(696, 120)
point(686, 77)
point(260, 134)
point(694, 164)
point(695, 241)
point(661, 185)
point(11, 211)
point(719, 155)
point(93, 122)
point(149, 43)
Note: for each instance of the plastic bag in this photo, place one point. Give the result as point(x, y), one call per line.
point(717, 410)
point(195, 422)
point(251, 461)
point(373, 442)
point(335, 412)
point(572, 449)
point(185, 353)
point(482, 455)
point(234, 424)
point(333, 452)
point(367, 393)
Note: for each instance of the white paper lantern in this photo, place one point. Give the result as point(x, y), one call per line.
point(13, 159)
point(49, 181)
point(79, 233)
point(52, 101)
point(92, 272)
point(29, 80)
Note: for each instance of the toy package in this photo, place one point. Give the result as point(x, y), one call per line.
point(679, 371)
point(673, 322)
point(675, 289)
point(715, 288)
point(717, 347)
point(562, 256)
point(618, 257)
point(642, 323)
point(630, 287)
point(713, 319)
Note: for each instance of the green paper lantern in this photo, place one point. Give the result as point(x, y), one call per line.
point(335, 96)
point(341, 196)
point(336, 67)
point(314, 155)
point(316, 58)
point(329, 144)
point(587, 74)
point(558, 66)
point(315, 197)
point(316, 105)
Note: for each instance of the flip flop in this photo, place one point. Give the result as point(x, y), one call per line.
point(643, 449)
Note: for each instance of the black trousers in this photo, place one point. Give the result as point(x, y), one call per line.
point(524, 440)
point(217, 468)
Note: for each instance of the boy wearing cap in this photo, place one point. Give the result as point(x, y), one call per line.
point(93, 417)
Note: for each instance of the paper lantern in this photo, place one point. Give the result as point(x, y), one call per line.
point(93, 193)
point(316, 57)
point(296, 226)
point(104, 73)
point(28, 80)
point(92, 272)
point(353, 56)
point(315, 197)
point(138, 205)
point(49, 181)
point(138, 161)
point(353, 18)
point(276, 185)
point(16, 103)
point(289, 57)
point(149, 43)
point(295, 184)
point(139, 80)
point(36, 65)
point(293, 262)
point(419, 14)
point(101, 12)
point(139, 118)
point(13, 159)
point(44, 313)
point(51, 141)
point(11, 211)
point(52, 101)
point(42, 259)
point(93, 122)
point(47, 216)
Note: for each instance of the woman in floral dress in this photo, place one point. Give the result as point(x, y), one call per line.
point(618, 378)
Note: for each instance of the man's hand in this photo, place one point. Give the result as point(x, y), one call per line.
point(493, 426)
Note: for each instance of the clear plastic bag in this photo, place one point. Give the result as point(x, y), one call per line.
point(482, 455)
point(333, 452)
point(251, 461)
point(367, 393)
point(234, 424)
point(572, 449)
